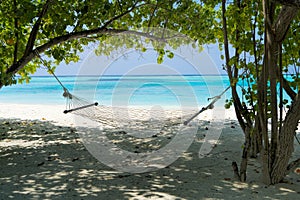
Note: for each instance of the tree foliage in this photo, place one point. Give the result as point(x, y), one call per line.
point(60, 29)
point(262, 35)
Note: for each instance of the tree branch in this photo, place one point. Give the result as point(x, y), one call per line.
point(16, 46)
point(71, 36)
point(29, 53)
point(106, 24)
point(292, 3)
point(236, 101)
point(292, 166)
point(287, 88)
point(35, 29)
point(282, 24)
point(235, 169)
point(151, 15)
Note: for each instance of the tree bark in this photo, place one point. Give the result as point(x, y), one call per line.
point(292, 3)
point(245, 155)
point(235, 169)
point(286, 145)
point(276, 157)
point(263, 101)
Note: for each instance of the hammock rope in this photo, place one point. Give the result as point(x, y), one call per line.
point(66, 93)
point(209, 106)
point(123, 117)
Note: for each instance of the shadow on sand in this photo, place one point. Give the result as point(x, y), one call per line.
point(40, 160)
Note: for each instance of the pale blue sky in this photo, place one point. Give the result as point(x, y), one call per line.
point(186, 60)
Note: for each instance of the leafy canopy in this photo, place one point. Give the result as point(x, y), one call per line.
point(61, 29)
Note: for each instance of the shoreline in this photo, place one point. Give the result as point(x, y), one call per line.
point(54, 113)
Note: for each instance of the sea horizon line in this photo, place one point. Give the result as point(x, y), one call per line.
point(120, 75)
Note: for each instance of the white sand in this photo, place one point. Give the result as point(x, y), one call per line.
point(41, 112)
point(43, 157)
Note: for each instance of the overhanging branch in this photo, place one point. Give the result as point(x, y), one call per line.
point(292, 3)
point(29, 52)
point(36, 27)
point(282, 24)
point(76, 35)
point(106, 24)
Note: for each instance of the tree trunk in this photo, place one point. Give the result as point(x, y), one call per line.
point(286, 145)
point(263, 100)
point(245, 155)
point(277, 153)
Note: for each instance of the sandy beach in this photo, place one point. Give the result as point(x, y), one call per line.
point(43, 156)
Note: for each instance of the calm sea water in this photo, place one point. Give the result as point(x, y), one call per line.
point(120, 90)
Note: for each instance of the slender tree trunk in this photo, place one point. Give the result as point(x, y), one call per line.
point(272, 57)
point(278, 152)
point(286, 144)
point(256, 141)
point(263, 107)
point(245, 155)
point(242, 113)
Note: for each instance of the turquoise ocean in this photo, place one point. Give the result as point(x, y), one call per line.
point(186, 90)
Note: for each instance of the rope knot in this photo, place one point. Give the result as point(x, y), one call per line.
point(67, 94)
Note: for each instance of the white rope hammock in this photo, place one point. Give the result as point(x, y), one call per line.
point(129, 118)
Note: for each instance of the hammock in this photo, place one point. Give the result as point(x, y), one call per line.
point(124, 118)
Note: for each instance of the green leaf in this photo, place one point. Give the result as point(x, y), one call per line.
point(170, 55)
